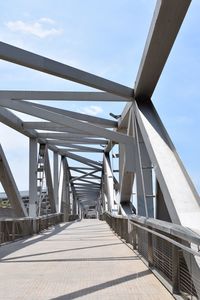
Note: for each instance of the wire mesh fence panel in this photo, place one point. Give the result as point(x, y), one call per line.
point(188, 284)
point(168, 250)
point(162, 257)
point(142, 238)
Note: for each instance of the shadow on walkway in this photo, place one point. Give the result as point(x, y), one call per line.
point(59, 251)
point(22, 243)
point(101, 286)
point(92, 259)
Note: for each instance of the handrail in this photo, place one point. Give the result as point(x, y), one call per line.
point(170, 240)
point(171, 251)
point(12, 228)
point(175, 230)
point(169, 228)
point(30, 218)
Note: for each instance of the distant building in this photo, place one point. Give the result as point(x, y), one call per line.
point(45, 204)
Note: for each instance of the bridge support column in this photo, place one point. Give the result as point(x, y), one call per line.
point(74, 202)
point(33, 178)
point(127, 168)
point(55, 179)
point(143, 178)
point(161, 208)
point(65, 201)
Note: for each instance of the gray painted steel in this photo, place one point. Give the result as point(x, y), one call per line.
point(152, 180)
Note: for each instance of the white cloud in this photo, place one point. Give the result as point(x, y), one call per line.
point(37, 28)
point(47, 20)
point(91, 110)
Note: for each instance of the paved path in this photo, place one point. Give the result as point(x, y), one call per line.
point(82, 260)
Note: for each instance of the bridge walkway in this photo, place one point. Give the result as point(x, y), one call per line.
point(81, 260)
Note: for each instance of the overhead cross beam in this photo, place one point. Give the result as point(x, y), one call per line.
point(80, 116)
point(11, 120)
point(29, 108)
point(62, 136)
point(49, 66)
point(61, 96)
point(52, 126)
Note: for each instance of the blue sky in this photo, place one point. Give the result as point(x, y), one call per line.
point(105, 38)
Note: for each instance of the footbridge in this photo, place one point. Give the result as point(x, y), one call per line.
point(90, 227)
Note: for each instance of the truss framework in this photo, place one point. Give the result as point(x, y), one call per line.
point(139, 132)
point(149, 166)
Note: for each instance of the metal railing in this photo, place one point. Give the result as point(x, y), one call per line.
point(171, 251)
point(11, 228)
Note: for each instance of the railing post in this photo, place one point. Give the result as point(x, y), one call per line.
point(175, 270)
point(118, 226)
point(130, 232)
point(113, 223)
point(150, 249)
point(125, 229)
point(134, 234)
point(122, 228)
point(13, 230)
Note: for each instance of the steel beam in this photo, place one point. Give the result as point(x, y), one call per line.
point(166, 22)
point(65, 200)
point(80, 116)
point(142, 208)
point(123, 120)
point(61, 96)
point(10, 187)
point(55, 178)
point(108, 182)
point(49, 181)
point(88, 181)
point(83, 160)
point(29, 108)
point(49, 66)
point(33, 199)
point(11, 120)
point(74, 147)
point(51, 126)
point(62, 136)
point(83, 141)
point(127, 166)
point(79, 169)
point(180, 195)
point(85, 175)
point(146, 176)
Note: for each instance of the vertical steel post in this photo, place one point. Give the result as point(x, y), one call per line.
point(130, 233)
point(150, 249)
point(65, 203)
point(134, 237)
point(55, 179)
point(33, 178)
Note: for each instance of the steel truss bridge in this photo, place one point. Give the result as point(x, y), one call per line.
point(149, 201)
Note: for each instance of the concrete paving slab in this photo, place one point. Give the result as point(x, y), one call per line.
point(81, 260)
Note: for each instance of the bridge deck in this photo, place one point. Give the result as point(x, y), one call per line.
point(82, 260)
